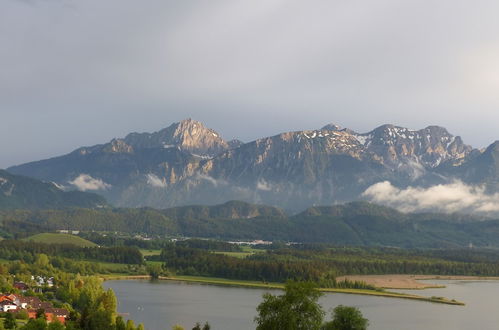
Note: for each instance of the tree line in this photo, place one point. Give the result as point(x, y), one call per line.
point(26, 251)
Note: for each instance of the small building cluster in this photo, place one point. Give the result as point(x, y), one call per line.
point(14, 303)
point(43, 281)
point(67, 231)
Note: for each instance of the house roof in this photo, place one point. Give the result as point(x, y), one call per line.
point(23, 299)
point(42, 305)
point(20, 284)
point(58, 311)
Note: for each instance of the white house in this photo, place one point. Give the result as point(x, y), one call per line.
point(7, 305)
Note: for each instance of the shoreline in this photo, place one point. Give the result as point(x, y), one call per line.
point(280, 286)
point(410, 282)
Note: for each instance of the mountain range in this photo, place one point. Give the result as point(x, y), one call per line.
point(188, 163)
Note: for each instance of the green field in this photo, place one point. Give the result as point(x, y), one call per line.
point(249, 249)
point(246, 251)
point(147, 252)
point(113, 268)
point(240, 255)
point(53, 238)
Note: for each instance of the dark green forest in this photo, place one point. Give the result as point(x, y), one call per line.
point(353, 224)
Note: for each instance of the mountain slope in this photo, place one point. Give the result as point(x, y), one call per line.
point(483, 169)
point(19, 192)
point(229, 210)
point(188, 164)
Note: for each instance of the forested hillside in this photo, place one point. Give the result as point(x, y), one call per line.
point(20, 192)
point(360, 224)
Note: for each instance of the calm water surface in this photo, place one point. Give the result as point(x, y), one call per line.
point(159, 305)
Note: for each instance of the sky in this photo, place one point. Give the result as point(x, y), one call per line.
point(81, 72)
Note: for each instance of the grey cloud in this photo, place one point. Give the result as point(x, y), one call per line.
point(124, 65)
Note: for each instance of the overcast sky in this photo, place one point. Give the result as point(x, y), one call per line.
point(80, 72)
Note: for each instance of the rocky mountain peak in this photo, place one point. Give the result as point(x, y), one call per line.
point(235, 143)
point(189, 135)
point(429, 146)
point(492, 155)
point(118, 146)
point(331, 127)
point(494, 147)
point(193, 136)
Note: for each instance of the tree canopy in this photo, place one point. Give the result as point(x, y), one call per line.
point(297, 309)
point(346, 318)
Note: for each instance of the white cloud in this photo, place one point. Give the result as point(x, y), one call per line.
point(448, 198)
point(85, 182)
point(210, 179)
point(155, 181)
point(58, 186)
point(263, 185)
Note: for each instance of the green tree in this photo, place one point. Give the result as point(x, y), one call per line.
point(56, 325)
point(130, 325)
point(177, 327)
point(100, 319)
point(297, 309)
point(205, 327)
point(109, 301)
point(35, 324)
point(42, 261)
point(346, 318)
point(40, 314)
point(10, 321)
point(140, 327)
point(154, 270)
point(120, 323)
point(22, 315)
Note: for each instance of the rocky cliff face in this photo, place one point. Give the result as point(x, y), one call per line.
point(188, 135)
point(188, 163)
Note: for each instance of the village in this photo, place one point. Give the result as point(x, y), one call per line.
point(31, 306)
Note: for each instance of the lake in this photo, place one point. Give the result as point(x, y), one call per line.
point(161, 304)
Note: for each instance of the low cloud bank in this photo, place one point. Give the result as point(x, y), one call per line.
point(85, 182)
point(447, 198)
